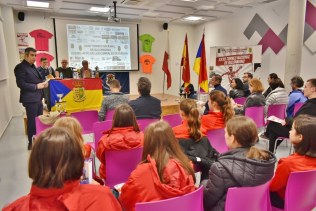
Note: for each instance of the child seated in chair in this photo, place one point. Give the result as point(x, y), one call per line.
point(302, 136)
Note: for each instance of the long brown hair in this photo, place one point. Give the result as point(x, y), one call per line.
point(161, 144)
point(55, 158)
point(245, 132)
point(189, 108)
point(124, 117)
point(306, 126)
point(73, 126)
point(223, 103)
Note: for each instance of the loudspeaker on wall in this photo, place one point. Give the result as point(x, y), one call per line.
point(165, 26)
point(21, 16)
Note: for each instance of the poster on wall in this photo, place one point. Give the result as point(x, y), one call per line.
point(21, 54)
point(232, 62)
point(22, 39)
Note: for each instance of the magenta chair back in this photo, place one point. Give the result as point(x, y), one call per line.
point(40, 126)
point(109, 114)
point(217, 139)
point(143, 123)
point(248, 198)
point(256, 114)
point(173, 119)
point(278, 110)
point(86, 119)
point(240, 100)
point(189, 202)
point(120, 164)
point(98, 129)
point(301, 191)
point(297, 106)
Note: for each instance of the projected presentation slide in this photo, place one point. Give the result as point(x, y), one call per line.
point(107, 47)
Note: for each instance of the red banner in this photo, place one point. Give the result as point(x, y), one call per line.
point(235, 59)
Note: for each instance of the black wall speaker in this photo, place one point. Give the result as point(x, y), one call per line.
point(21, 16)
point(165, 26)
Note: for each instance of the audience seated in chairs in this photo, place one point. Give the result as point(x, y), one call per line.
point(243, 165)
point(55, 166)
point(192, 140)
point(164, 172)
point(302, 136)
point(110, 102)
point(123, 135)
point(220, 112)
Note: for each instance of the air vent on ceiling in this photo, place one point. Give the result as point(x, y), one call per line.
point(131, 2)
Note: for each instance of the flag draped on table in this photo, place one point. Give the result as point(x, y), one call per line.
point(200, 66)
point(185, 64)
point(165, 68)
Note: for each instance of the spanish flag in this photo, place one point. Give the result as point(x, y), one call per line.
point(200, 66)
point(185, 64)
point(78, 94)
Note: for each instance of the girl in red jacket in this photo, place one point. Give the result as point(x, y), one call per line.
point(302, 136)
point(123, 135)
point(220, 112)
point(74, 126)
point(164, 172)
point(55, 166)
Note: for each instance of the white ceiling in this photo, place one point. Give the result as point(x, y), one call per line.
point(136, 10)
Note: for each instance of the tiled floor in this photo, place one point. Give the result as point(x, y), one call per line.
point(14, 180)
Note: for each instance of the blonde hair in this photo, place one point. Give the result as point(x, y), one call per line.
point(223, 103)
point(73, 126)
point(256, 85)
point(189, 108)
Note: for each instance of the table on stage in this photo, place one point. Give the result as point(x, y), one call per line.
point(77, 94)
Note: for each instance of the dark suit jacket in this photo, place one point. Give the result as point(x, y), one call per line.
point(146, 107)
point(27, 78)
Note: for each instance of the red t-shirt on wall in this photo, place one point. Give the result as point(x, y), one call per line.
point(45, 55)
point(147, 62)
point(41, 39)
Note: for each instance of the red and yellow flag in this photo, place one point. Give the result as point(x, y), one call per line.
point(185, 64)
point(200, 66)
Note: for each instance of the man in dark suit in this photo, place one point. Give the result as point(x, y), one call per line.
point(31, 85)
point(146, 106)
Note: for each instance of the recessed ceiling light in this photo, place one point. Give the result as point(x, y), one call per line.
point(37, 4)
point(99, 9)
point(193, 18)
point(190, 0)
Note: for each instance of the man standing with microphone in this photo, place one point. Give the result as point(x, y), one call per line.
point(31, 84)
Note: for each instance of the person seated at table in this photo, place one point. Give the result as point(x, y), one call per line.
point(237, 90)
point(55, 166)
point(111, 101)
point(123, 135)
point(164, 172)
point(220, 112)
point(188, 91)
point(45, 70)
point(302, 136)
point(85, 71)
point(64, 69)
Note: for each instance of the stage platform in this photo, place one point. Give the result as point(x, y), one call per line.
point(169, 103)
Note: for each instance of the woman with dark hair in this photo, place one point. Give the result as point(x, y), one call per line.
point(55, 166)
point(237, 89)
point(164, 172)
point(271, 78)
point(123, 135)
point(220, 112)
point(302, 136)
point(192, 140)
point(243, 165)
point(295, 96)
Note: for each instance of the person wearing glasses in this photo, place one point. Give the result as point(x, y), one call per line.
point(64, 71)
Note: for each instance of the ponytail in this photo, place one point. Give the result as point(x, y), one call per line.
point(228, 111)
point(224, 104)
point(257, 154)
point(194, 124)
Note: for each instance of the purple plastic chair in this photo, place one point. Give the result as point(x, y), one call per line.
point(297, 106)
point(109, 114)
point(240, 100)
point(278, 110)
point(98, 129)
point(173, 119)
point(256, 114)
point(40, 126)
point(217, 140)
point(248, 198)
point(86, 119)
point(143, 123)
point(189, 202)
point(300, 191)
point(120, 164)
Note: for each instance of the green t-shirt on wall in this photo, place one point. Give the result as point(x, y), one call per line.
point(147, 41)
